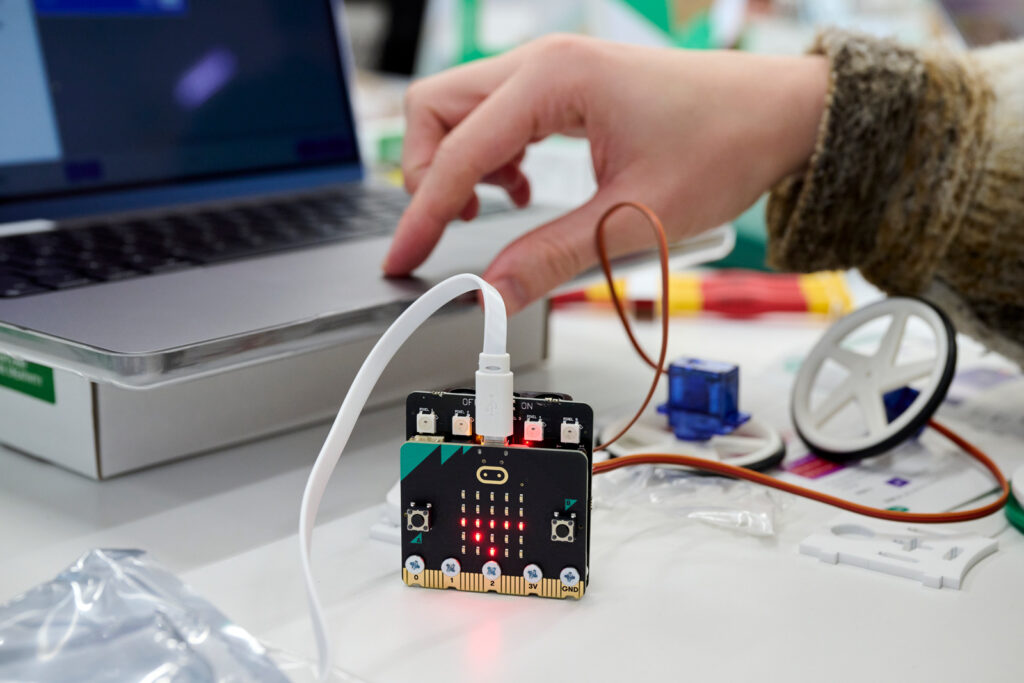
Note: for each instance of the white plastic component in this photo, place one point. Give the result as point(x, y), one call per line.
point(414, 564)
point(388, 528)
point(462, 425)
point(385, 531)
point(426, 422)
point(870, 377)
point(491, 570)
point(570, 432)
point(380, 355)
point(569, 576)
point(753, 443)
point(533, 430)
point(494, 396)
point(533, 573)
point(936, 557)
point(451, 567)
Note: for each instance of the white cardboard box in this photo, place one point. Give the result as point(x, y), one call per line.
point(101, 429)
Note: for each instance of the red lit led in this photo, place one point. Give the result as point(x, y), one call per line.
point(477, 523)
point(492, 551)
point(507, 524)
point(522, 525)
point(478, 537)
point(492, 523)
point(462, 522)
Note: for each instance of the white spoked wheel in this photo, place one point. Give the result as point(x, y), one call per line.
point(754, 444)
point(864, 428)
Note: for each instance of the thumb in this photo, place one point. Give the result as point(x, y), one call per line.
point(558, 251)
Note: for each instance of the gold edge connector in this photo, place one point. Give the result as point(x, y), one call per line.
point(506, 585)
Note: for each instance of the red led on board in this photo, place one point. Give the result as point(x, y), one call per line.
point(492, 551)
point(507, 524)
point(462, 522)
point(477, 523)
point(522, 525)
point(492, 523)
point(478, 537)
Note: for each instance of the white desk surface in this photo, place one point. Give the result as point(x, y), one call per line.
point(668, 598)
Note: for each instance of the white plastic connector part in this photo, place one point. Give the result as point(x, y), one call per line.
point(388, 528)
point(494, 399)
point(937, 557)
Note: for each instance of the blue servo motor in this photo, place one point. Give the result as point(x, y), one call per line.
point(703, 399)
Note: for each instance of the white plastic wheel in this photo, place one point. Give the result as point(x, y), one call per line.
point(869, 376)
point(754, 444)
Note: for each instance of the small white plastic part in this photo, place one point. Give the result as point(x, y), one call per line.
point(462, 425)
point(753, 444)
point(494, 398)
point(938, 558)
point(533, 429)
point(451, 567)
point(414, 564)
point(570, 432)
point(426, 422)
point(533, 573)
point(388, 528)
point(491, 570)
point(569, 577)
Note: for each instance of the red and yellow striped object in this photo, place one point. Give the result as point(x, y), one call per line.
point(732, 293)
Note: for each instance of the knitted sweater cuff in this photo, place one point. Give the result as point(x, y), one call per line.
point(896, 161)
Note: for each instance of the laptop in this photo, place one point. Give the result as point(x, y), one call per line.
point(180, 182)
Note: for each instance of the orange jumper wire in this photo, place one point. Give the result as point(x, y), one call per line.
point(741, 472)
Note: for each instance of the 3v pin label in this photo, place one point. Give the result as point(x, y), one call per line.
point(569, 502)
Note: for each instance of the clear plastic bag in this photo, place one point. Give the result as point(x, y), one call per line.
point(719, 501)
point(117, 615)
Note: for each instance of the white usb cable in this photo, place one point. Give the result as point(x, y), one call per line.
point(493, 411)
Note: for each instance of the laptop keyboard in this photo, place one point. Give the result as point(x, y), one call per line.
point(106, 251)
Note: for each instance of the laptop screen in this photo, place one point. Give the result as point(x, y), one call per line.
point(100, 95)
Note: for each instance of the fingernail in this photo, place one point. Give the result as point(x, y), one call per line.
point(512, 292)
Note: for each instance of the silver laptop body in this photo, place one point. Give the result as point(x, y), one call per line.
point(152, 325)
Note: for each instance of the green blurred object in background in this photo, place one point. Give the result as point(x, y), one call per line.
point(679, 23)
point(751, 240)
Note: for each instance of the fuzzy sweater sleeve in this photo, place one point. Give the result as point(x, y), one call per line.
point(918, 181)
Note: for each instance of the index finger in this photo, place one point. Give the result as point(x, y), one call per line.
point(491, 136)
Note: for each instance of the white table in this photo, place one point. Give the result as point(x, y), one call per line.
point(668, 598)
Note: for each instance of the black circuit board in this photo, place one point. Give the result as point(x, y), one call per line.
point(515, 504)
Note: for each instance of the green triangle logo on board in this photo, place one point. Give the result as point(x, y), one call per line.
point(569, 502)
point(418, 539)
point(448, 450)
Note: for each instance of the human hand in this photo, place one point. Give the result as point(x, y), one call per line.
point(696, 136)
